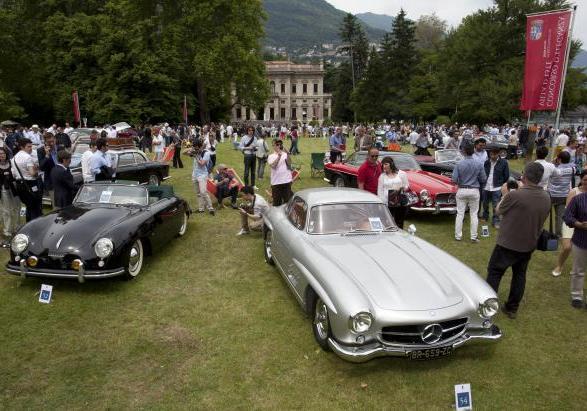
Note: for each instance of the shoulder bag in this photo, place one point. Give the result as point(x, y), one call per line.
point(548, 241)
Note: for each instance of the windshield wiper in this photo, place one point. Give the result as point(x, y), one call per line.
point(392, 228)
point(359, 231)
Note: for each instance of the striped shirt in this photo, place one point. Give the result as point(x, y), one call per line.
point(577, 212)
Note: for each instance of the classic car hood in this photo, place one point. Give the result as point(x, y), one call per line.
point(74, 227)
point(422, 179)
point(392, 270)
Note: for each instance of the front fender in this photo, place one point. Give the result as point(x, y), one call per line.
point(318, 289)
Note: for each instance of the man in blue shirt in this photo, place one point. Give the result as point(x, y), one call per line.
point(469, 175)
point(337, 145)
point(100, 164)
point(248, 146)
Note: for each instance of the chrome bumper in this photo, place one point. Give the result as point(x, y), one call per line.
point(81, 275)
point(376, 349)
point(435, 210)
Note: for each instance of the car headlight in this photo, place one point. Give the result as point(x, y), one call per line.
point(361, 322)
point(19, 243)
point(489, 308)
point(104, 247)
point(424, 195)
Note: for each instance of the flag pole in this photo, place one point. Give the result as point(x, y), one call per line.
point(562, 86)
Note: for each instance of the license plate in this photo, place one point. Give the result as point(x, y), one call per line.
point(430, 353)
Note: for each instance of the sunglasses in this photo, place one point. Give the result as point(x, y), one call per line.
point(374, 156)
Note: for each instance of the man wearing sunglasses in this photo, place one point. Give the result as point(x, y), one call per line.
point(369, 172)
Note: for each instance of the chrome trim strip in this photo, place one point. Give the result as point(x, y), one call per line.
point(375, 349)
point(435, 209)
point(64, 274)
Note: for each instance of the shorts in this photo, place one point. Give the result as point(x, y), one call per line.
point(567, 232)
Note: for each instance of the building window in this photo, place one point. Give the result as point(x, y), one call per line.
point(271, 113)
point(248, 111)
point(282, 88)
point(293, 89)
point(304, 88)
point(303, 101)
point(315, 101)
point(326, 113)
point(238, 114)
point(315, 88)
point(282, 113)
point(294, 114)
point(282, 101)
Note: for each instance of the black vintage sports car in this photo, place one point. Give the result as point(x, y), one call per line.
point(106, 232)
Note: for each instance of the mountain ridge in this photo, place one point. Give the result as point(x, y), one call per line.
point(378, 21)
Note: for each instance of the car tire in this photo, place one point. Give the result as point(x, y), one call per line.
point(320, 321)
point(134, 260)
point(184, 225)
point(339, 182)
point(268, 246)
point(154, 180)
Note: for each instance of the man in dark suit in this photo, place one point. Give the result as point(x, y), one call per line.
point(62, 179)
point(47, 157)
point(63, 140)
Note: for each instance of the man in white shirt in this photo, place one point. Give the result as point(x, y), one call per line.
point(68, 129)
point(561, 140)
point(24, 168)
point(86, 162)
point(252, 218)
point(159, 146)
point(413, 137)
point(480, 154)
point(549, 169)
point(35, 136)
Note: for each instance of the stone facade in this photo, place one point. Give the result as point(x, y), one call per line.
point(297, 95)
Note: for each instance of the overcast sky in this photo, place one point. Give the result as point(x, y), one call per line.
point(450, 10)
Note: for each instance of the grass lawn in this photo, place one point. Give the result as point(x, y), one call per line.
point(209, 325)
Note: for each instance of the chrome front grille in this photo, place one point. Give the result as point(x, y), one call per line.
point(446, 199)
point(412, 334)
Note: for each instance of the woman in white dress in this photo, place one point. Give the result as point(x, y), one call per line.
point(392, 183)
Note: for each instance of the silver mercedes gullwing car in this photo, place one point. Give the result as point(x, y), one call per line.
point(370, 288)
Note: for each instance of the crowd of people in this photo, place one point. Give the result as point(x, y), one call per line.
point(34, 161)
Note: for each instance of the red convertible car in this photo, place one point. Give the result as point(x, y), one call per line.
point(430, 192)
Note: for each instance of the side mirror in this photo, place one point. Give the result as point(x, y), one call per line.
point(412, 229)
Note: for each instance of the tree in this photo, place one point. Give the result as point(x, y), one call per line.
point(367, 97)
point(355, 45)
point(399, 57)
point(341, 95)
point(430, 32)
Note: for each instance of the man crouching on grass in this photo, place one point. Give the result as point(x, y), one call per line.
point(252, 215)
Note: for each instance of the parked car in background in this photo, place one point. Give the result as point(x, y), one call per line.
point(106, 232)
point(369, 288)
point(441, 162)
point(429, 192)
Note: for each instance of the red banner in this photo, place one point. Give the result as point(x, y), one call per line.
point(547, 36)
point(76, 113)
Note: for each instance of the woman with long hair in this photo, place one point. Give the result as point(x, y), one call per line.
point(10, 201)
point(391, 185)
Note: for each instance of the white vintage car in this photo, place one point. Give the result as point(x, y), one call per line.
point(370, 288)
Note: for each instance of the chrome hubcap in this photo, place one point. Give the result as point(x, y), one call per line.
point(184, 225)
point(135, 259)
point(321, 319)
point(339, 182)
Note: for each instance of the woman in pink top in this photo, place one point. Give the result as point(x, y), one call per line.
point(280, 174)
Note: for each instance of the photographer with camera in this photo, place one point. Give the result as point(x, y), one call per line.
point(281, 177)
point(254, 211)
point(247, 146)
point(201, 158)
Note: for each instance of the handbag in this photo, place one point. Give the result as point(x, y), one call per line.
point(547, 240)
point(397, 198)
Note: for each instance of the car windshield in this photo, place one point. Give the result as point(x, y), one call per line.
point(402, 161)
point(349, 217)
point(447, 155)
point(76, 159)
point(112, 194)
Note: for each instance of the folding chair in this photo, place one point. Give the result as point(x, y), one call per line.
point(317, 165)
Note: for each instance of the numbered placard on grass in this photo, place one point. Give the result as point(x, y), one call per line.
point(463, 399)
point(46, 293)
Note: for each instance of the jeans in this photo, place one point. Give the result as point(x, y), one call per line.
point(559, 210)
point(223, 191)
point(250, 163)
point(261, 162)
point(467, 197)
point(177, 158)
point(493, 197)
point(294, 147)
point(500, 260)
point(399, 215)
point(201, 185)
point(10, 212)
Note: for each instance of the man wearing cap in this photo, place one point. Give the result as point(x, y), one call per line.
point(35, 136)
point(225, 187)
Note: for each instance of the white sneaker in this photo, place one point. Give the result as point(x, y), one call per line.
point(243, 232)
point(556, 273)
point(256, 188)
